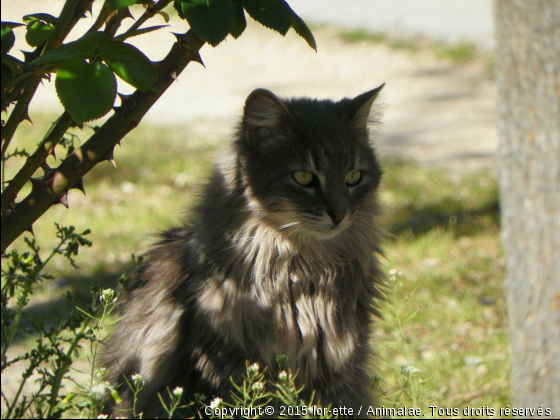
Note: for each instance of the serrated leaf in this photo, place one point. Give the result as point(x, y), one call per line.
point(178, 6)
point(130, 64)
point(137, 32)
point(8, 37)
point(303, 30)
point(45, 17)
point(84, 47)
point(211, 20)
point(38, 33)
point(274, 14)
point(86, 90)
point(239, 21)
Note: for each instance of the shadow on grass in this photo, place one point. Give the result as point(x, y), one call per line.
point(49, 307)
point(424, 199)
point(420, 221)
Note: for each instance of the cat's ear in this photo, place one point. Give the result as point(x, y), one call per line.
point(362, 107)
point(262, 116)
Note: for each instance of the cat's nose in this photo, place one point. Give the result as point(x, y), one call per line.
point(337, 217)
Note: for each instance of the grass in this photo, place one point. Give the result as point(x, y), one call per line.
point(447, 245)
point(458, 52)
point(447, 317)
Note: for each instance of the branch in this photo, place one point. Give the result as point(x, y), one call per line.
point(100, 144)
point(36, 160)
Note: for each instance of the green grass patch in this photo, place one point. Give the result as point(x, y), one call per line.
point(458, 52)
point(461, 52)
point(446, 314)
point(362, 35)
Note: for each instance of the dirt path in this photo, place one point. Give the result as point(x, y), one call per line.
point(436, 112)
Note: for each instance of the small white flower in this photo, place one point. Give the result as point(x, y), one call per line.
point(100, 373)
point(137, 379)
point(178, 391)
point(103, 416)
point(257, 386)
point(107, 295)
point(215, 403)
point(254, 368)
point(282, 376)
point(393, 272)
point(99, 388)
point(410, 370)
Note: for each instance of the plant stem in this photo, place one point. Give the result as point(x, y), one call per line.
point(149, 13)
point(26, 375)
point(13, 330)
point(21, 302)
point(64, 367)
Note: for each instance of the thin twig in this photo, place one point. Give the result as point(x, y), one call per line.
point(149, 13)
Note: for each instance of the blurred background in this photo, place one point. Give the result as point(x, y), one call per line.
point(438, 144)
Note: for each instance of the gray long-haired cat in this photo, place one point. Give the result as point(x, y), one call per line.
point(279, 258)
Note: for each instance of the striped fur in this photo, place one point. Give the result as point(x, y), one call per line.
point(261, 269)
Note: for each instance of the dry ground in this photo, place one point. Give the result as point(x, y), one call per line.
point(436, 112)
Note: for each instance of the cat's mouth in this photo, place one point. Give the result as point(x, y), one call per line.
point(330, 231)
point(295, 224)
point(325, 229)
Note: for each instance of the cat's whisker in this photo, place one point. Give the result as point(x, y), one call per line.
point(295, 231)
point(286, 226)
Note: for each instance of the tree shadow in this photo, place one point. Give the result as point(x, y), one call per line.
point(49, 308)
point(421, 220)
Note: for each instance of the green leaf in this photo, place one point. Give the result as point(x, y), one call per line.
point(86, 90)
point(45, 17)
point(211, 20)
point(11, 25)
point(8, 37)
point(38, 33)
point(239, 22)
point(130, 64)
point(11, 67)
point(303, 30)
point(178, 6)
point(137, 32)
point(121, 4)
point(274, 14)
point(6, 73)
point(84, 47)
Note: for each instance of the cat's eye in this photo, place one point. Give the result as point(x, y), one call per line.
point(353, 177)
point(303, 177)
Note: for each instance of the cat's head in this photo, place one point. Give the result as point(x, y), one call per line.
point(308, 166)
